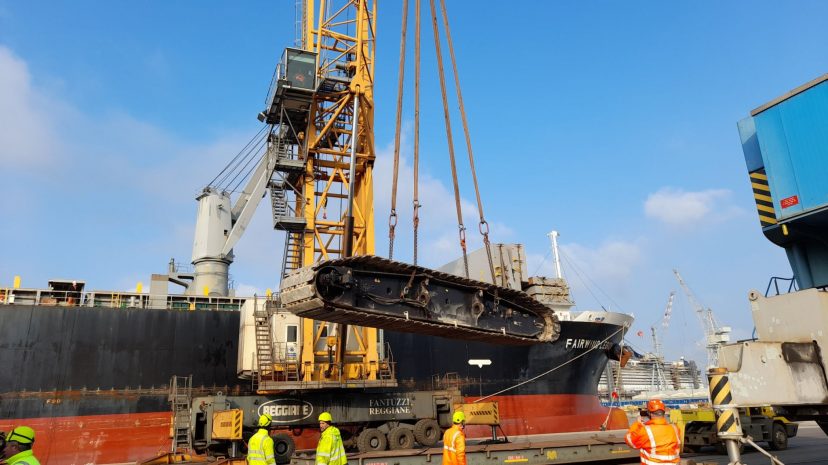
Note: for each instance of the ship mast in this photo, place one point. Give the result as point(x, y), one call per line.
point(553, 236)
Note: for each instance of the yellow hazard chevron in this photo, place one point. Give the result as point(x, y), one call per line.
point(237, 424)
point(720, 390)
point(763, 199)
point(728, 422)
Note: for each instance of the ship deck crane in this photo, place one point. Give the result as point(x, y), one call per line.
point(714, 334)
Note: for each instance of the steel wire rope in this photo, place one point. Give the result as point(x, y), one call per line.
point(238, 169)
point(392, 216)
point(545, 257)
point(581, 279)
point(252, 168)
point(415, 202)
point(534, 378)
point(575, 269)
point(483, 226)
point(226, 167)
point(450, 140)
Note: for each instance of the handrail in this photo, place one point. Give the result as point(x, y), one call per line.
point(117, 299)
point(774, 281)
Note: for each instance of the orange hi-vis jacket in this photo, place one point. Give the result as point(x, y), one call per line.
point(658, 442)
point(454, 446)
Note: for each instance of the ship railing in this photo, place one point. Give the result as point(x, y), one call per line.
point(774, 284)
point(122, 300)
point(445, 381)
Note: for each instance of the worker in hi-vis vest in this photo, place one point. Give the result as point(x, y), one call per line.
point(16, 447)
point(657, 441)
point(454, 441)
point(330, 450)
point(260, 446)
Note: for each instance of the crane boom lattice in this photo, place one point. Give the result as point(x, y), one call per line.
point(714, 334)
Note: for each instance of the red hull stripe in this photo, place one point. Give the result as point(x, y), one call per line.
point(553, 413)
point(97, 438)
point(100, 439)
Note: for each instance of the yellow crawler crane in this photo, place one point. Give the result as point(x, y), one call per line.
point(322, 102)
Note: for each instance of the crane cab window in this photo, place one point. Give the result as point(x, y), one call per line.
point(300, 68)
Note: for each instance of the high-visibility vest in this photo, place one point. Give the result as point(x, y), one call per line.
point(260, 449)
point(23, 458)
point(657, 441)
point(454, 446)
point(330, 450)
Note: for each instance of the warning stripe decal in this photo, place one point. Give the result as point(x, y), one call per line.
point(762, 196)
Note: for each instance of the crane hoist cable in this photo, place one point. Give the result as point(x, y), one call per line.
point(449, 138)
point(483, 225)
point(392, 217)
point(415, 203)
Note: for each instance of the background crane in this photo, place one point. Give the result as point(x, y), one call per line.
point(660, 381)
point(714, 334)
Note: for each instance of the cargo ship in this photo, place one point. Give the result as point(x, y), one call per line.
point(90, 371)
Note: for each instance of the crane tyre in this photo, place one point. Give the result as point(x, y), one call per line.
point(400, 438)
point(779, 437)
point(427, 432)
point(283, 447)
point(371, 439)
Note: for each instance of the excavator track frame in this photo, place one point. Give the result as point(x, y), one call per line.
point(327, 292)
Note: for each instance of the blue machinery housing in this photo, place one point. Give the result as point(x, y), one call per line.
point(785, 143)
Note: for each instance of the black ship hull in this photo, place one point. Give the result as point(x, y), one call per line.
point(93, 381)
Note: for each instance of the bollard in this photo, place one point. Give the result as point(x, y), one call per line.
point(728, 425)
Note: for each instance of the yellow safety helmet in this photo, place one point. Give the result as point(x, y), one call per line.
point(458, 417)
point(265, 419)
point(21, 434)
point(326, 417)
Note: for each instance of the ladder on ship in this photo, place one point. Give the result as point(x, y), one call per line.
point(181, 399)
point(292, 258)
point(264, 344)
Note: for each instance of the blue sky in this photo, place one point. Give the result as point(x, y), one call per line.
point(612, 122)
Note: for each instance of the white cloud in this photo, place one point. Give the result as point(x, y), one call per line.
point(27, 136)
point(247, 290)
point(107, 189)
point(677, 208)
point(597, 275)
point(613, 260)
